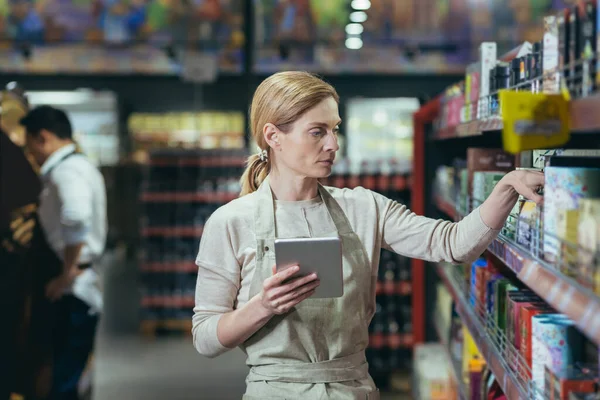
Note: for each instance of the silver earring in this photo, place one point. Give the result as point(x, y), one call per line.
point(263, 154)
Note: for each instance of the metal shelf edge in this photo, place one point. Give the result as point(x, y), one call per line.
point(561, 292)
point(478, 332)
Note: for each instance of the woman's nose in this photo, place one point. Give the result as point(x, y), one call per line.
point(332, 142)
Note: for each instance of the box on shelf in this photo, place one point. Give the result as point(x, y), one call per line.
point(551, 55)
point(587, 46)
point(564, 187)
point(487, 160)
point(528, 227)
point(487, 61)
point(588, 239)
point(472, 87)
point(567, 222)
point(561, 385)
point(471, 355)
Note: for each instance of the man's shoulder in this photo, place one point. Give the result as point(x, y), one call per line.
point(76, 163)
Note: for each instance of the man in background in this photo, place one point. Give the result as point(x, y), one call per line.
point(72, 215)
point(19, 191)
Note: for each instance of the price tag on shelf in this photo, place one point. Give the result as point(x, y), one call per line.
point(199, 67)
point(534, 120)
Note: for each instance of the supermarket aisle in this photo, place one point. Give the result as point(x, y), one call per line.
point(131, 367)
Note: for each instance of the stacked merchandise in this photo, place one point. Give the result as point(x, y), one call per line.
point(190, 130)
point(543, 346)
point(180, 190)
point(563, 60)
point(564, 232)
point(531, 303)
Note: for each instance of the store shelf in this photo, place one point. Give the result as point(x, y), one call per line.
point(167, 301)
point(176, 231)
point(563, 293)
point(402, 288)
point(188, 197)
point(455, 366)
point(566, 295)
point(210, 161)
point(488, 349)
point(177, 266)
point(584, 118)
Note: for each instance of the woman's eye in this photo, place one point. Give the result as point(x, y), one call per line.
point(336, 130)
point(317, 133)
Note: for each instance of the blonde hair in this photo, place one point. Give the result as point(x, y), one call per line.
point(281, 99)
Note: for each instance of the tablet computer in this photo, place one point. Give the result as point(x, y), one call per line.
point(320, 255)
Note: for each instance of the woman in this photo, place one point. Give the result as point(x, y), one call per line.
point(297, 347)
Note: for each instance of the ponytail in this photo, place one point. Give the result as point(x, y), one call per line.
point(255, 173)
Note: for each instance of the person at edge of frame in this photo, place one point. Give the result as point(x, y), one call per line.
point(21, 360)
point(300, 347)
point(72, 214)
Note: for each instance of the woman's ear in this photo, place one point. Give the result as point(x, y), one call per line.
point(271, 135)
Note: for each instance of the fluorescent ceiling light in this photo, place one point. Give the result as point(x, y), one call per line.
point(361, 4)
point(354, 29)
point(358, 17)
point(354, 43)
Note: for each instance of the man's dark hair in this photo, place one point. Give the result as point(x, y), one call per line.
point(48, 118)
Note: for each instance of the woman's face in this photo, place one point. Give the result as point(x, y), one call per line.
point(309, 147)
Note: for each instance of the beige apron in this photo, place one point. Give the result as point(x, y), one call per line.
point(317, 350)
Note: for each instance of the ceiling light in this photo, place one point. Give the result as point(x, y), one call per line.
point(354, 29)
point(358, 17)
point(354, 43)
point(361, 4)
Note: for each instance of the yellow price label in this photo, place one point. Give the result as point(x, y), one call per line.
point(534, 120)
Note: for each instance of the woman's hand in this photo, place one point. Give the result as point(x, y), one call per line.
point(497, 207)
point(527, 184)
point(280, 293)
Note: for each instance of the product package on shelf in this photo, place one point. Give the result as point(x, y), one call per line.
point(472, 86)
point(487, 55)
point(564, 187)
point(486, 160)
point(552, 55)
point(588, 240)
point(472, 360)
point(535, 337)
point(579, 380)
point(180, 191)
point(432, 373)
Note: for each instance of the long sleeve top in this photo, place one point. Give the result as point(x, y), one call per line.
point(226, 258)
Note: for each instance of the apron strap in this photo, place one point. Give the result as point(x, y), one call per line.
point(350, 368)
point(264, 213)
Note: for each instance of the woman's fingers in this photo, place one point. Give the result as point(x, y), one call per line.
point(293, 303)
point(293, 294)
point(280, 277)
point(290, 286)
